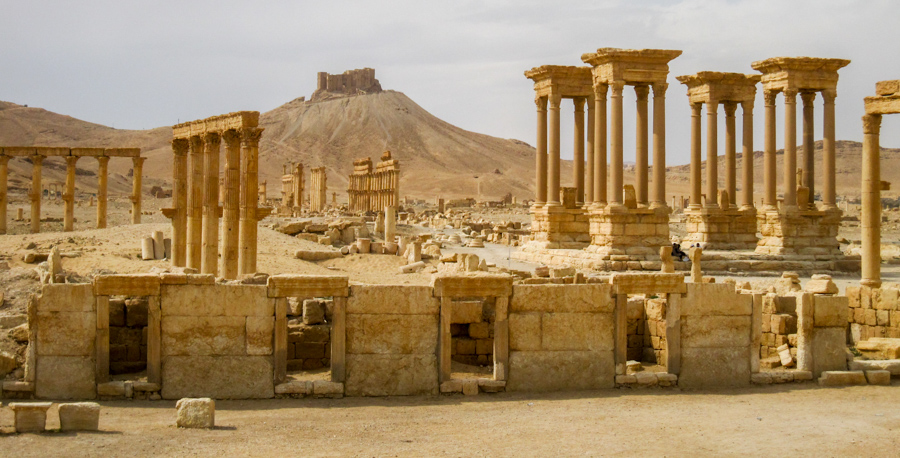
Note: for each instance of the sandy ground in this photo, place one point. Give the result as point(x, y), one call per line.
point(795, 420)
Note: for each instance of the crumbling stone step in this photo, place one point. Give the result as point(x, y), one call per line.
point(768, 378)
point(890, 365)
point(842, 378)
point(644, 379)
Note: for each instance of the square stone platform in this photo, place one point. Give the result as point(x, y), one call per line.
point(718, 229)
point(558, 226)
point(800, 232)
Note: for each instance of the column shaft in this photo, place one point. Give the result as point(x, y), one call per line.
point(179, 201)
point(540, 166)
point(589, 166)
point(696, 180)
point(249, 186)
point(712, 154)
point(870, 221)
point(616, 145)
point(770, 201)
point(747, 155)
point(69, 195)
point(828, 165)
point(231, 207)
point(138, 178)
point(730, 154)
point(600, 144)
point(809, 144)
point(195, 206)
point(659, 145)
point(553, 169)
point(209, 261)
point(4, 200)
point(641, 142)
point(36, 192)
point(578, 156)
point(102, 179)
point(790, 149)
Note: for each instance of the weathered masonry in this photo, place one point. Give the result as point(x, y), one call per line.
point(37, 156)
point(374, 189)
point(291, 190)
point(230, 340)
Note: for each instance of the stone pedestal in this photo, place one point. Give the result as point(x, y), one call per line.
point(559, 227)
point(793, 232)
point(718, 229)
point(629, 234)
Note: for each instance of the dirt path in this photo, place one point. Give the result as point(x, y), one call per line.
point(775, 420)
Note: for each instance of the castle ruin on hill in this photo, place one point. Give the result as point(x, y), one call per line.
point(351, 82)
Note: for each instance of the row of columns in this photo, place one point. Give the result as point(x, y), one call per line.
point(712, 170)
point(374, 191)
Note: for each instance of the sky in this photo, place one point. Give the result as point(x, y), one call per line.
point(140, 65)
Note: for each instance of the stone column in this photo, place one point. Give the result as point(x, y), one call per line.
point(540, 157)
point(770, 201)
point(209, 262)
point(712, 154)
point(37, 162)
point(4, 200)
point(870, 221)
point(69, 195)
point(747, 155)
point(790, 149)
point(616, 145)
point(390, 224)
point(828, 165)
point(578, 156)
point(589, 166)
point(730, 154)
point(231, 207)
point(809, 145)
point(195, 205)
point(249, 184)
point(641, 145)
point(696, 167)
point(102, 176)
point(179, 201)
point(138, 172)
point(659, 146)
point(553, 169)
point(600, 145)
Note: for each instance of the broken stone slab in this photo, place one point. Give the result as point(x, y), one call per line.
point(469, 387)
point(491, 386)
point(313, 312)
point(646, 378)
point(626, 379)
point(313, 256)
point(878, 377)
point(412, 268)
point(821, 286)
point(452, 386)
point(30, 417)
point(115, 388)
point(880, 348)
point(890, 365)
point(79, 416)
point(295, 387)
point(328, 389)
point(761, 378)
point(195, 413)
point(842, 378)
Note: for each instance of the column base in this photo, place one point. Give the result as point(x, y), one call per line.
point(623, 234)
point(797, 232)
point(716, 229)
point(554, 226)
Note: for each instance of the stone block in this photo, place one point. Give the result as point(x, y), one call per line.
point(313, 311)
point(887, 299)
point(708, 299)
point(626, 380)
point(715, 331)
point(391, 375)
point(577, 331)
point(890, 365)
point(66, 333)
point(479, 330)
point(195, 413)
point(592, 297)
point(219, 377)
point(470, 387)
point(560, 370)
point(136, 312)
point(67, 297)
point(525, 331)
point(304, 333)
point(878, 377)
point(79, 416)
point(294, 387)
point(30, 417)
point(192, 300)
point(392, 334)
point(65, 377)
point(116, 312)
point(646, 378)
point(467, 312)
point(260, 331)
point(396, 299)
point(201, 336)
point(309, 350)
point(451, 386)
point(247, 300)
point(828, 346)
point(714, 367)
point(880, 348)
point(830, 310)
point(842, 378)
point(327, 388)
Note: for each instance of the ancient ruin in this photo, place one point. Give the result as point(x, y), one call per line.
point(318, 192)
point(291, 190)
point(351, 82)
point(374, 189)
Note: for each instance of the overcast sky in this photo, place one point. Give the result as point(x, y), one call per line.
point(139, 65)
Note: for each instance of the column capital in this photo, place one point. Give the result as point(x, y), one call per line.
point(769, 97)
point(37, 159)
point(180, 146)
point(696, 108)
point(251, 135)
point(138, 161)
point(71, 160)
point(617, 87)
point(642, 92)
point(730, 108)
point(103, 160)
point(231, 137)
point(712, 107)
point(541, 103)
point(790, 95)
point(196, 144)
point(747, 107)
point(579, 104)
point(872, 124)
point(828, 96)
point(554, 99)
point(659, 89)
point(808, 98)
point(211, 140)
point(600, 91)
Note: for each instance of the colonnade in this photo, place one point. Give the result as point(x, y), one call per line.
point(373, 189)
point(195, 213)
point(292, 187)
point(71, 155)
point(318, 196)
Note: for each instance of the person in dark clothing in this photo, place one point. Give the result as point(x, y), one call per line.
point(677, 253)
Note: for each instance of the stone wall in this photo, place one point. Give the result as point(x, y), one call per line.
point(472, 332)
point(874, 312)
point(65, 327)
point(779, 324)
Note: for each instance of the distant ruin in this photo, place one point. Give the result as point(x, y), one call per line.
point(373, 189)
point(351, 82)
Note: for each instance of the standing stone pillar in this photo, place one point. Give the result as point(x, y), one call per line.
point(641, 144)
point(617, 154)
point(809, 145)
point(179, 201)
point(137, 179)
point(790, 149)
point(870, 221)
point(69, 195)
point(730, 154)
point(747, 156)
point(600, 145)
point(828, 166)
point(102, 176)
point(578, 157)
point(209, 262)
point(249, 184)
point(770, 201)
point(589, 167)
point(390, 224)
point(712, 154)
point(4, 200)
point(231, 207)
point(696, 185)
point(659, 146)
point(195, 206)
point(553, 169)
point(540, 178)
point(37, 161)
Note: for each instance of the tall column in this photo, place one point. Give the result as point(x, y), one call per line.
point(616, 145)
point(102, 176)
point(712, 153)
point(138, 176)
point(809, 144)
point(828, 166)
point(195, 205)
point(179, 201)
point(232, 208)
point(209, 262)
point(4, 201)
point(870, 221)
point(696, 180)
point(641, 144)
point(600, 144)
point(37, 162)
point(589, 167)
point(553, 169)
point(578, 156)
point(659, 146)
point(730, 154)
point(249, 184)
point(69, 195)
point(540, 166)
point(790, 149)
point(747, 155)
point(770, 201)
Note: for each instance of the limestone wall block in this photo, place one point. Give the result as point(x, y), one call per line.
point(201, 336)
point(391, 334)
point(218, 377)
point(525, 331)
point(247, 300)
point(594, 297)
point(560, 370)
point(391, 375)
point(195, 413)
point(192, 300)
point(830, 310)
point(66, 334)
point(79, 416)
point(259, 333)
point(472, 285)
point(464, 312)
point(30, 417)
point(715, 331)
point(307, 286)
point(714, 367)
point(396, 299)
point(65, 377)
point(577, 331)
point(709, 299)
point(67, 297)
point(127, 285)
point(829, 349)
point(887, 299)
